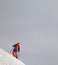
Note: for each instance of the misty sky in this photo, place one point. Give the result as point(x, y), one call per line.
point(33, 23)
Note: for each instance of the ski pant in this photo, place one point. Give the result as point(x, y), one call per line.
point(15, 54)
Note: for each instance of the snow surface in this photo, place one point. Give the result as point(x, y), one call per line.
point(8, 59)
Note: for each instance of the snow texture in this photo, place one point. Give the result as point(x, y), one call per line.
point(8, 59)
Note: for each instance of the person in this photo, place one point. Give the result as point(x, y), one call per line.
point(16, 50)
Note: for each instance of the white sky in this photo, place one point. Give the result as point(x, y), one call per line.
point(34, 23)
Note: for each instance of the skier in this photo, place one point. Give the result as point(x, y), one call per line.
point(16, 49)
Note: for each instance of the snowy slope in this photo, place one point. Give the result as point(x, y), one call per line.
point(8, 59)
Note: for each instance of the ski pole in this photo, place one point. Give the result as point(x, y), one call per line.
point(11, 50)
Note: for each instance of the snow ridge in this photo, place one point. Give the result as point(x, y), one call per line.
point(8, 59)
